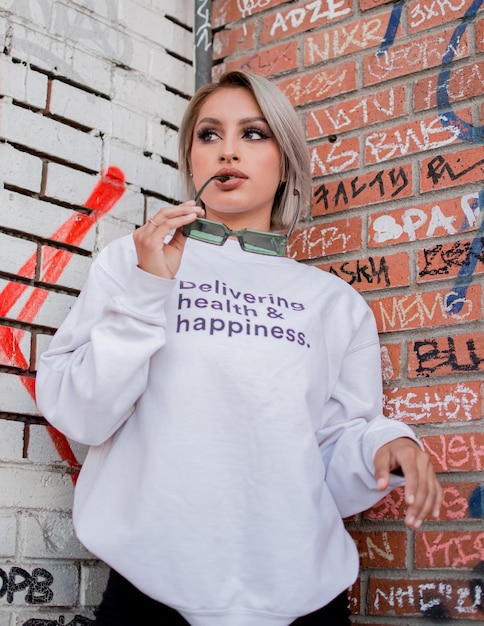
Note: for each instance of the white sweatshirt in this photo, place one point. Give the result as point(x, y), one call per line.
point(233, 415)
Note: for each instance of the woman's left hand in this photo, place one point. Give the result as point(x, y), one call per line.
point(423, 493)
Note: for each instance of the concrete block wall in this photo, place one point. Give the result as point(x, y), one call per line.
point(392, 98)
point(91, 95)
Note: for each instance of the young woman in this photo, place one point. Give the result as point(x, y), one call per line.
point(230, 395)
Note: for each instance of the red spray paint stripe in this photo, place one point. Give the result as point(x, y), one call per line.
point(58, 439)
point(104, 196)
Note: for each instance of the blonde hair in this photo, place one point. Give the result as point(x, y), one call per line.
point(286, 128)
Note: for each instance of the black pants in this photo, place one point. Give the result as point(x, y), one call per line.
point(124, 605)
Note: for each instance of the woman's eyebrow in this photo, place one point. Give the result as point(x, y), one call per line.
point(209, 120)
point(246, 120)
point(251, 120)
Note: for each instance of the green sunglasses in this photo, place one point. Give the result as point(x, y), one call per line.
point(256, 241)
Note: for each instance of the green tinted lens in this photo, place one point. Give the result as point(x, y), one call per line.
point(264, 243)
point(207, 231)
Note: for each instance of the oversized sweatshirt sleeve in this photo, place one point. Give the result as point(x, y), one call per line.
point(96, 366)
point(354, 426)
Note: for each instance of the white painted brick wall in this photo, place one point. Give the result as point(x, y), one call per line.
point(11, 449)
point(61, 58)
point(84, 86)
point(14, 253)
point(50, 137)
point(20, 169)
point(74, 105)
point(44, 451)
point(36, 217)
point(21, 83)
point(34, 489)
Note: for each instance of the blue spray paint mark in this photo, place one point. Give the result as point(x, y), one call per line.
point(455, 300)
point(467, 132)
point(476, 503)
point(393, 24)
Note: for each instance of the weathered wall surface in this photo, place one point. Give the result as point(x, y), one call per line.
point(91, 95)
point(392, 98)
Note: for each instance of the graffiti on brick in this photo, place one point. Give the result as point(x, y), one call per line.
point(104, 196)
point(450, 549)
point(416, 223)
point(423, 53)
point(448, 355)
point(247, 7)
point(421, 12)
point(392, 28)
point(78, 620)
point(442, 260)
point(334, 43)
point(419, 310)
point(36, 588)
point(462, 452)
point(388, 183)
point(464, 83)
point(468, 131)
point(439, 167)
point(465, 256)
point(434, 600)
point(476, 503)
point(334, 158)
point(371, 271)
point(427, 134)
point(312, 13)
point(460, 501)
point(37, 585)
point(355, 113)
point(318, 241)
point(449, 403)
point(375, 549)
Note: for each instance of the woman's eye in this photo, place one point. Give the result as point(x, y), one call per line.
point(255, 134)
point(207, 135)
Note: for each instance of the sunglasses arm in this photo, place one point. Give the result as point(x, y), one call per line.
point(202, 188)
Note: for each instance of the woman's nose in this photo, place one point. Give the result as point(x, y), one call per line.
point(229, 150)
point(228, 157)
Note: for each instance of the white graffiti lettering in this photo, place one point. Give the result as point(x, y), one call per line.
point(295, 17)
point(451, 405)
point(246, 7)
point(413, 220)
point(419, 54)
point(433, 134)
point(420, 13)
point(335, 161)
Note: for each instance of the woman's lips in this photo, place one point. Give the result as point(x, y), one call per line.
point(233, 178)
point(231, 183)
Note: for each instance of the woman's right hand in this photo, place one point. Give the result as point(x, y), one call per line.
point(154, 255)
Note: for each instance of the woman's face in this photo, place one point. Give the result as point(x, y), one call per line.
point(231, 137)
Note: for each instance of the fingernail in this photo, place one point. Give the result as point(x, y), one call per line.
point(410, 520)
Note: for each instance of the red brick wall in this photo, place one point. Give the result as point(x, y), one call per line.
point(392, 99)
